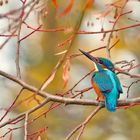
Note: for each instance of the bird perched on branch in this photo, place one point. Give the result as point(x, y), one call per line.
point(105, 82)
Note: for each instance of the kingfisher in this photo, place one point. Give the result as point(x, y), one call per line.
point(105, 82)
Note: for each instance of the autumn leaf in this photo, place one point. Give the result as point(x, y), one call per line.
point(116, 13)
point(60, 53)
point(106, 12)
point(66, 70)
point(67, 10)
point(39, 137)
point(10, 138)
point(55, 4)
point(89, 4)
point(48, 81)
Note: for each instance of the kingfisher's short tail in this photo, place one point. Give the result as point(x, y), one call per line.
point(111, 102)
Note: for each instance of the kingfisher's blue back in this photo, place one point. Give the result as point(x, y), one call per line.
point(109, 85)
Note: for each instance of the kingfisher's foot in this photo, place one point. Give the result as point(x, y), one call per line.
point(98, 98)
point(101, 103)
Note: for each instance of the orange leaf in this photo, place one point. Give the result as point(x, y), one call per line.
point(89, 4)
point(39, 138)
point(10, 138)
point(107, 12)
point(67, 10)
point(55, 4)
point(66, 70)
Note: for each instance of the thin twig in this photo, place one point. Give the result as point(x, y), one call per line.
point(11, 105)
point(113, 27)
point(131, 86)
point(83, 124)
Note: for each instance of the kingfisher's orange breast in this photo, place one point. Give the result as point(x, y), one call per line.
point(97, 90)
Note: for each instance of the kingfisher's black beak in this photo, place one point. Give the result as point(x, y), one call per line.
point(89, 56)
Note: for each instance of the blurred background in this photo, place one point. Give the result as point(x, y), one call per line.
point(39, 55)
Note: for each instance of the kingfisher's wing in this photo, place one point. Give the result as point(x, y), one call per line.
point(119, 87)
point(103, 81)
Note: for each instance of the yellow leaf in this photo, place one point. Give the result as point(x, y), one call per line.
point(61, 52)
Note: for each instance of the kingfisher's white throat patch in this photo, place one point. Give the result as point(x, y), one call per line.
point(96, 69)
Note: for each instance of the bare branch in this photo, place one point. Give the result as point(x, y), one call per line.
point(26, 127)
